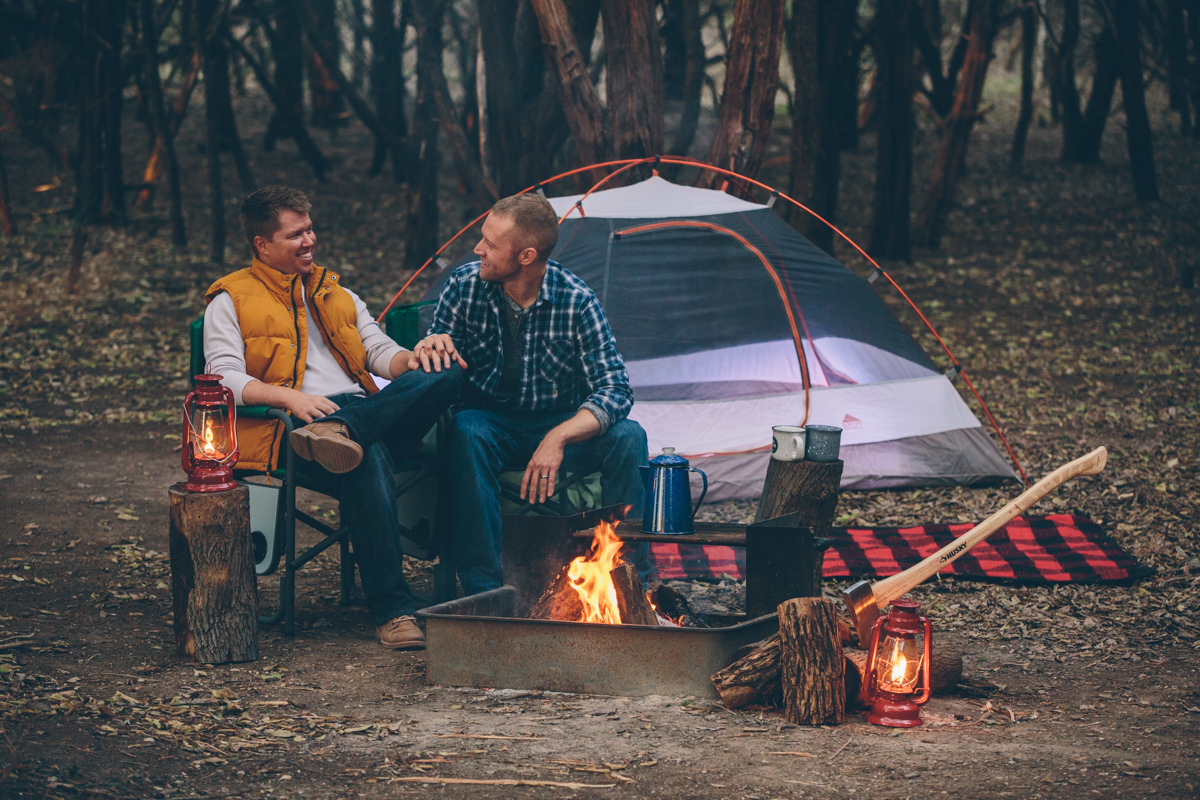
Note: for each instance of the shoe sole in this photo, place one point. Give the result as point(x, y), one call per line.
point(301, 441)
point(403, 645)
point(336, 454)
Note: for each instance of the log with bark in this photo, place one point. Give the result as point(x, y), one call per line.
point(559, 601)
point(212, 575)
point(811, 664)
point(632, 603)
point(753, 676)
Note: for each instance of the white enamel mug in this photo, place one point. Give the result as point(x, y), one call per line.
point(787, 443)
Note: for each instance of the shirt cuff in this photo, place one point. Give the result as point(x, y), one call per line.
point(601, 416)
point(236, 382)
point(381, 362)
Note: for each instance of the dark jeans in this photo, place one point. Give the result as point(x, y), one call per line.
point(388, 425)
point(485, 443)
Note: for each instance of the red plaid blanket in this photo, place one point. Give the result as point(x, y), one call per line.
point(1050, 549)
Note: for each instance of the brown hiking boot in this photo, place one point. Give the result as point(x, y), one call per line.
point(401, 633)
point(327, 443)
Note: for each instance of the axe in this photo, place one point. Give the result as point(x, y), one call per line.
point(865, 601)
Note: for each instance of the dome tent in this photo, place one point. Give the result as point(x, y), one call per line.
point(730, 322)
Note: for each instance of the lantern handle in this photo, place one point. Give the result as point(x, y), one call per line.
point(872, 653)
point(927, 688)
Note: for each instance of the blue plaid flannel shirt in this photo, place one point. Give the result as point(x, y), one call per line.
point(571, 358)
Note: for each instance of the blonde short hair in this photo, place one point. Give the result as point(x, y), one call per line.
point(534, 219)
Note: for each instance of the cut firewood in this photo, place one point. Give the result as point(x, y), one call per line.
point(632, 602)
point(560, 601)
point(945, 671)
point(753, 677)
point(811, 665)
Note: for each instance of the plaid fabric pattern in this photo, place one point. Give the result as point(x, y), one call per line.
point(571, 356)
point(1058, 548)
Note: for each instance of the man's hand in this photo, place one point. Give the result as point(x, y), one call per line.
point(308, 407)
point(435, 352)
point(541, 474)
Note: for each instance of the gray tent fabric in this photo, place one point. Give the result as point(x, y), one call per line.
point(731, 322)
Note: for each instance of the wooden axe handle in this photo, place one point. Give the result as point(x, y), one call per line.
point(898, 585)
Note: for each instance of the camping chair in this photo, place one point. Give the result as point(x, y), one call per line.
point(273, 511)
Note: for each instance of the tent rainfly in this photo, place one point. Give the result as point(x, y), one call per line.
point(731, 322)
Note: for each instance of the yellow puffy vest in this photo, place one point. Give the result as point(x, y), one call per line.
point(271, 313)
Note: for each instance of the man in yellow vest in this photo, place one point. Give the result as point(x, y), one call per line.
point(284, 333)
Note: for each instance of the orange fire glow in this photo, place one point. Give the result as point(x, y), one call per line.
point(898, 669)
point(591, 581)
point(209, 449)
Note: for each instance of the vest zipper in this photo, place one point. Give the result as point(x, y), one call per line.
point(296, 322)
point(324, 327)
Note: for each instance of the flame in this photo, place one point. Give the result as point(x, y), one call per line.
point(209, 449)
point(591, 581)
point(899, 669)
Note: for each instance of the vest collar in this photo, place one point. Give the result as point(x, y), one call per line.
point(320, 280)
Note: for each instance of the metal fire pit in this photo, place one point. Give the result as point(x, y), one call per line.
point(484, 639)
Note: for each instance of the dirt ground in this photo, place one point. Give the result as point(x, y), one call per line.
point(1052, 286)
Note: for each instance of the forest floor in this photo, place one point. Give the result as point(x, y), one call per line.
point(1052, 286)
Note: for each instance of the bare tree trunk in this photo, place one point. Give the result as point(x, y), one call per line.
point(422, 237)
point(287, 46)
point(164, 141)
point(693, 80)
point(957, 130)
point(1177, 65)
point(1137, 120)
point(358, 55)
point(1104, 84)
point(387, 81)
point(803, 33)
point(206, 11)
point(497, 27)
point(846, 75)
point(748, 97)
point(1029, 31)
point(218, 103)
point(580, 103)
point(6, 217)
point(329, 109)
point(111, 100)
point(634, 78)
point(1193, 28)
point(890, 219)
point(1072, 117)
point(89, 192)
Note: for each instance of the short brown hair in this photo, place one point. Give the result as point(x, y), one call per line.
point(534, 217)
point(261, 209)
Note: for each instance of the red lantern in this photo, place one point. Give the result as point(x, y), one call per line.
point(209, 436)
point(897, 673)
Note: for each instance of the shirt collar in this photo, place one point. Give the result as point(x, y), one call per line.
point(552, 286)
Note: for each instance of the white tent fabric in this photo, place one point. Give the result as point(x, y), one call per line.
point(655, 198)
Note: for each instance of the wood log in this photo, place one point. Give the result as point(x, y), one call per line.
point(560, 601)
point(811, 665)
point(753, 677)
point(212, 576)
point(945, 672)
point(632, 603)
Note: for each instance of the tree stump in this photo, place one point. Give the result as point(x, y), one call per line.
point(753, 677)
point(632, 603)
point(212, 576)
point(809, 488)
point(811, 665)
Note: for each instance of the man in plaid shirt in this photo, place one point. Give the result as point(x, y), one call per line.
point(546, 388)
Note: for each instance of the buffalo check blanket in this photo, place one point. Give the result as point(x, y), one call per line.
point(1058, 548)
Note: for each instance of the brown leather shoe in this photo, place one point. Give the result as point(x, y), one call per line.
point(401, 633)
point(329, 444)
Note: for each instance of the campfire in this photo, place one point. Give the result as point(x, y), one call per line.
point(599, 587)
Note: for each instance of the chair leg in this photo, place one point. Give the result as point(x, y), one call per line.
point(347, 567)
point(287, 584)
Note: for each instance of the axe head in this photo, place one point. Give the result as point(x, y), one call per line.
point(860, 602)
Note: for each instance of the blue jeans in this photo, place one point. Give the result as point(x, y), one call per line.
point(388, 425)
point(485, 443)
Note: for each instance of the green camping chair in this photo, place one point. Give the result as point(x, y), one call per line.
point(273, 511)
